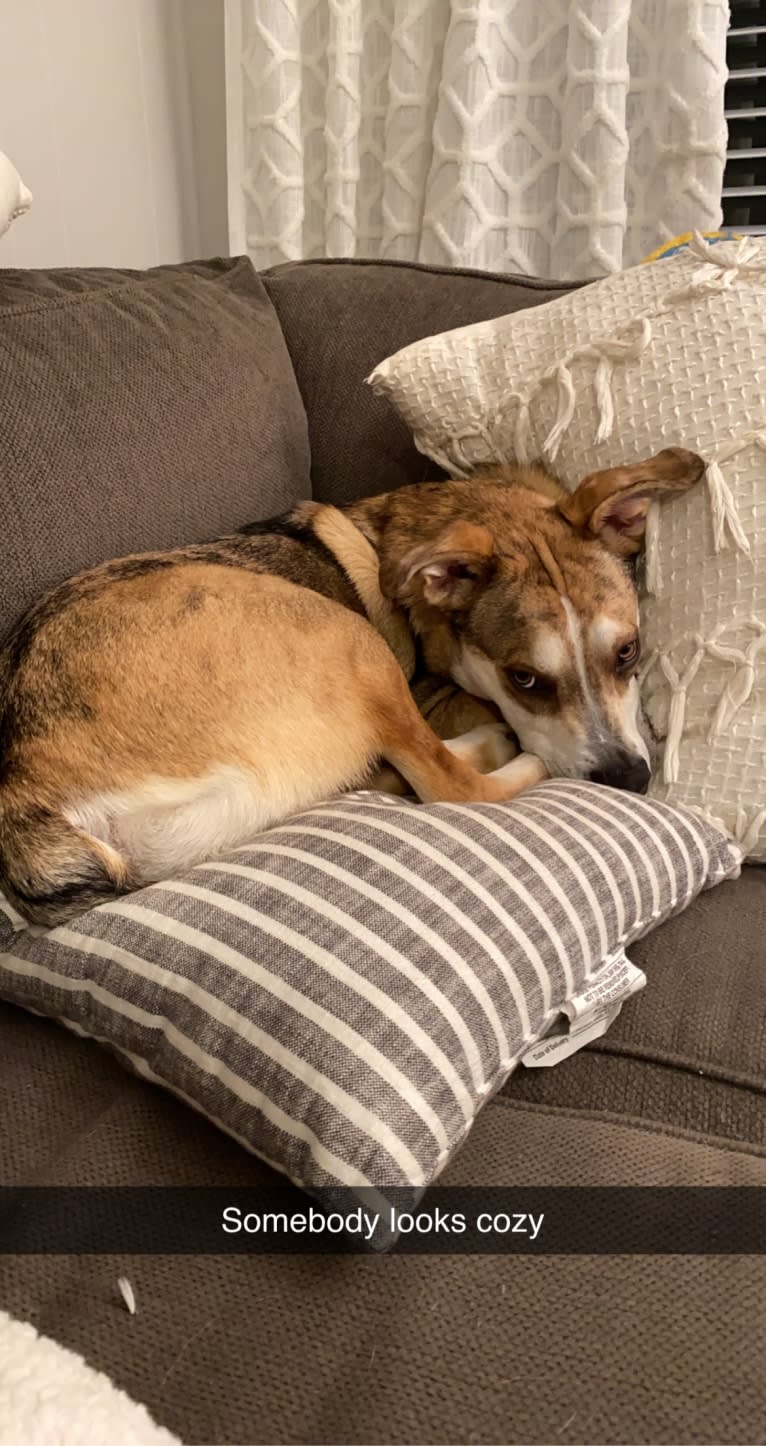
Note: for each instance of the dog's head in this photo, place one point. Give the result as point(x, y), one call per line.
point(526, 599)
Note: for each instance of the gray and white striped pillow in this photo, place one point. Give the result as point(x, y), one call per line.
point(344, 994)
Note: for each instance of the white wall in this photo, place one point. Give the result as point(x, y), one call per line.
point(113, 111)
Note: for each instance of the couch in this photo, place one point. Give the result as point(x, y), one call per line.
point(146, 428)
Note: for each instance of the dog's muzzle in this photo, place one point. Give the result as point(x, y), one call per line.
point(627, 771)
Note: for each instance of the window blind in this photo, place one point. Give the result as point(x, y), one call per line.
point(744, 182)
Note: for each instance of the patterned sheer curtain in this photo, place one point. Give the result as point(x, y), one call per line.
point(565, 138)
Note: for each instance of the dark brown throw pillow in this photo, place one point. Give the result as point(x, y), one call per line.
point(138, 410)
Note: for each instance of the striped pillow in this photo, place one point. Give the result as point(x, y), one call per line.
point(345, 993)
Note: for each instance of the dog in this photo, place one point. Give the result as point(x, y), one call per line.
point(157, 710)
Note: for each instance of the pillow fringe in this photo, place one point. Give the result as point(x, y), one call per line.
point(734, 695)
point(653, 580)
point(745, 832)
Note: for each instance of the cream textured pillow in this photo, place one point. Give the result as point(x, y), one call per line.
point(671, 353)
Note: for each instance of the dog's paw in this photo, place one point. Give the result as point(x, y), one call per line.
point(486, 748)
point(523, 772)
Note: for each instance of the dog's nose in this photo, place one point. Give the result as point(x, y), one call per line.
point(630, 773)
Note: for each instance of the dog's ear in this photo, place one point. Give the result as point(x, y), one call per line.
point(445, 572)
point(613, 505)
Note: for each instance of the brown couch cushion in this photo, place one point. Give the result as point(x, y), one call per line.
point(340, 318)
point(139, 410)
point(330, 1349)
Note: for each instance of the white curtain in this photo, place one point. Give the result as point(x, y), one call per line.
point(563, 138)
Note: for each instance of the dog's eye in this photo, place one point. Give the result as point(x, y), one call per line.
point(628, 655)
point(523, 679)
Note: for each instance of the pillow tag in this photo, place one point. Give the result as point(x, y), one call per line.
point(589, 1014)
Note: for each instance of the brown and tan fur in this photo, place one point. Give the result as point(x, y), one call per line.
point(159, 709)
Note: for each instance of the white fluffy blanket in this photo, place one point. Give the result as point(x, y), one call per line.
point(50, 1397)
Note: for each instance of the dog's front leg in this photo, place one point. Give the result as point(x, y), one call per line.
point(486, 748)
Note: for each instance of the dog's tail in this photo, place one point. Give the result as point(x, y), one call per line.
point(49, 869)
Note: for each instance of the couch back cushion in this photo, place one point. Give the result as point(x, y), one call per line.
point(340, 318)
point(138, 410)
